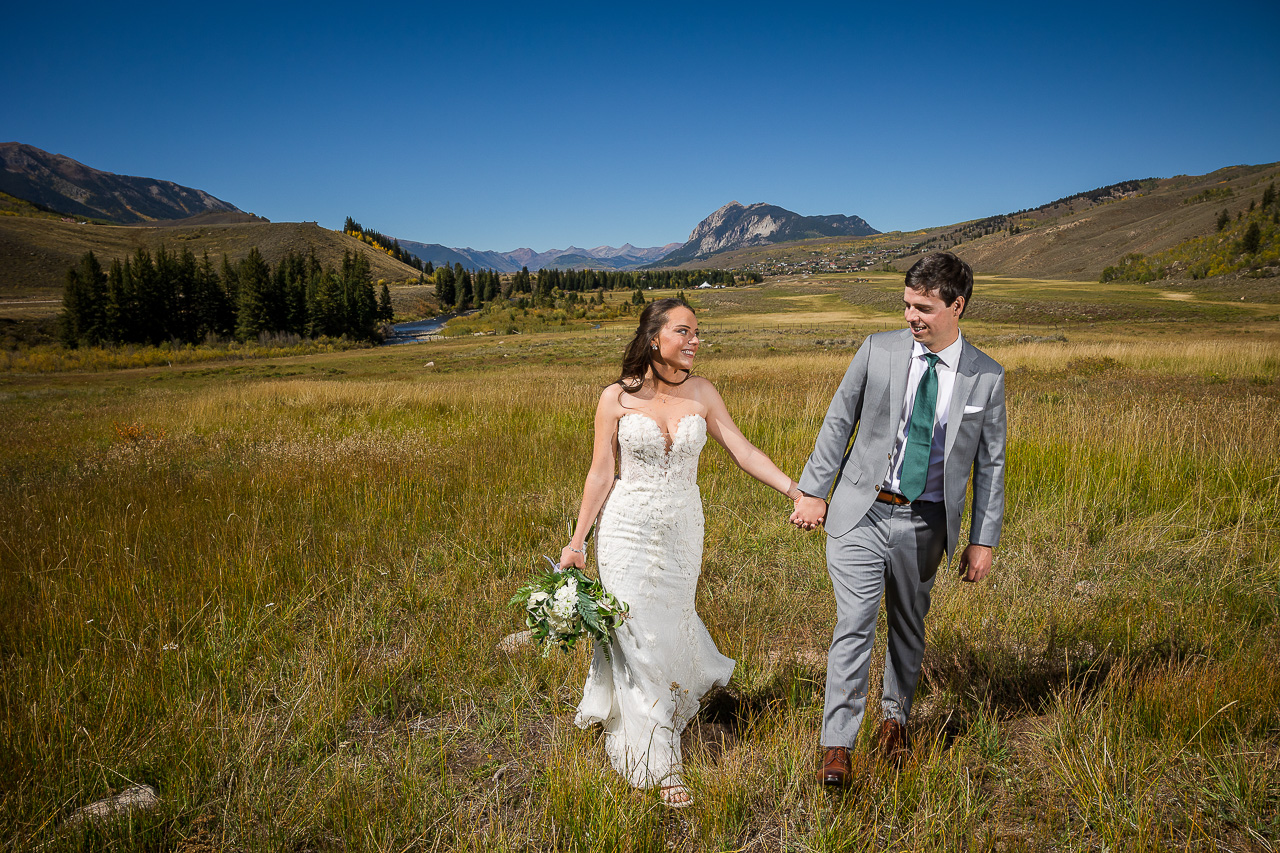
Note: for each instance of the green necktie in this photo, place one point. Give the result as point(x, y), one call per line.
point(915, 461)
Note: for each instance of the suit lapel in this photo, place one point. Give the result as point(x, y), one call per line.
point(899, 368)
point(966, 377)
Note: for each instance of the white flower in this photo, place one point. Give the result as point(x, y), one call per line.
point(561, 624)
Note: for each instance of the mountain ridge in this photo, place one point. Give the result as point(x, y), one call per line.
point(68, 186)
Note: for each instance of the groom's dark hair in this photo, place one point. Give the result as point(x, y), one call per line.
point(944, 274)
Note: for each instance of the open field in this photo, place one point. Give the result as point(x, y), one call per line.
point(272, 589)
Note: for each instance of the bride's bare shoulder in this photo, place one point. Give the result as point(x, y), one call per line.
point(701, 389)
point(611, 399)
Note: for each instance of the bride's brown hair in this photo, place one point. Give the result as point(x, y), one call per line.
point(638, 358)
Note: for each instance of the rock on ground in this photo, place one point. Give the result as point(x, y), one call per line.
point(130, 799)
point(515, 642)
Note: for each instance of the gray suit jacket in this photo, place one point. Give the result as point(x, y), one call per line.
point(867, 407)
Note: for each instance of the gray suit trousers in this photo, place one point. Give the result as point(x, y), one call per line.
point(894, 552)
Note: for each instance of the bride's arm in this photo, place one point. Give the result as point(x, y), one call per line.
point(744, 454)
point(599, 477)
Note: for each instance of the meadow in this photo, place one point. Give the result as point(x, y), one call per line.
point(273, 589)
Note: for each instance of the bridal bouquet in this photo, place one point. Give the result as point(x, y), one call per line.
point(563, 605)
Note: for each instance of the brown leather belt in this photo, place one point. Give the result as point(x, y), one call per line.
point(888, 497)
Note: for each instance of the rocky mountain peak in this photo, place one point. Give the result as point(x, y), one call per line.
point(735, 226)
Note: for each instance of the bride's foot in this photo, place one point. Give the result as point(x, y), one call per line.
point(677, 796)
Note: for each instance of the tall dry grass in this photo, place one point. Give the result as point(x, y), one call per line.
point(278, 602)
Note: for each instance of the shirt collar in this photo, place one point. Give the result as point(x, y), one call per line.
point(949, 356)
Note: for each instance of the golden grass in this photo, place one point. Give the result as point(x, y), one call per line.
point(277, 600)
point(1236, 358)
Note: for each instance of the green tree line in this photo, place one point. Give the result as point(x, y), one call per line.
point(168, 296)
point(460, 289)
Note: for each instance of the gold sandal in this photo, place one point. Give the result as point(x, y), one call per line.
point(676, 796)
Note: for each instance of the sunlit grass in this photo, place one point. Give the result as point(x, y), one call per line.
point(277, 599)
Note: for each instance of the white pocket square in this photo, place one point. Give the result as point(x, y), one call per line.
point(969, 410)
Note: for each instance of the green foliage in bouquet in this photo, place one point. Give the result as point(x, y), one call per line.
point(563, 605)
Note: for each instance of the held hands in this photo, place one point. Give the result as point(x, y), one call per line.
point(809, 512)
point(975, 563)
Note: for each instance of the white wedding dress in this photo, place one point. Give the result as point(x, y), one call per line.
point(649, 549)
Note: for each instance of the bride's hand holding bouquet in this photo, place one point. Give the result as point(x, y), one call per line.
point(562, 605)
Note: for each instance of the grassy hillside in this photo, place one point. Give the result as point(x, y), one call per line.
point(37, 252)
point(13, 206)
point(1080, 244)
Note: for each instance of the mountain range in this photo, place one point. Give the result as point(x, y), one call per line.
point(57, 184)
point(64, 185)
point(44, 198)
point(625, 257)
point(734, 226)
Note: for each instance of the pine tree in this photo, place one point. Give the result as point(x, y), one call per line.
point(385, 312)
point(212, 313)
point(359, 302)
point(83, 303)
point(325, 311)
point(254, 277)
point(466, 293)
point(184, 329)
point(1252, 239)
point(150, 302)
point(445, 292)
point(119, 302)
point(230, 283)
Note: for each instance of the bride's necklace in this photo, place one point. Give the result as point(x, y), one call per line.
point(663, 396)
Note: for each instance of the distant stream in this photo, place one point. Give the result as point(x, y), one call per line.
point(419, 330)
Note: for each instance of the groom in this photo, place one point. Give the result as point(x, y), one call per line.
point(925, 412)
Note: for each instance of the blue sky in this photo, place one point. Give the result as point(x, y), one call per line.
point(497, 126)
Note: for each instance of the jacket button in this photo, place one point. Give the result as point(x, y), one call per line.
point(877, 488)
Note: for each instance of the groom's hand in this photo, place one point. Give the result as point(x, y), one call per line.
point(809, 512)
point(975, 563)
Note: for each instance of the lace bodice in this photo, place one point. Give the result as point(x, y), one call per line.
point(646, 461)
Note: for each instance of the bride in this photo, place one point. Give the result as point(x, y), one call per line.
point(655, 418)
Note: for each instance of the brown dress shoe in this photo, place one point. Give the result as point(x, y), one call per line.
point(892, 741)
point(836, 768)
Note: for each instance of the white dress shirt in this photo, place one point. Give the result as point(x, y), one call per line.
point(948, 360)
